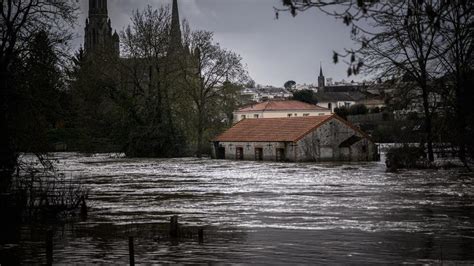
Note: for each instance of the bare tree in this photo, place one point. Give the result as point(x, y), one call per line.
point(455, 52)
point(146, 90)
point(405, 45)
point(397, 38)
point(20, 20)
point(145, 45)
point(205, 73)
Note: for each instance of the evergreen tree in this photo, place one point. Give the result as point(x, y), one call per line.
point(306, 96)
point(38, 95)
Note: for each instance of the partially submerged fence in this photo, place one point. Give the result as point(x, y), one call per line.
point(175, 233)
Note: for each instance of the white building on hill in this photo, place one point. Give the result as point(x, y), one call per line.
point(280, 108)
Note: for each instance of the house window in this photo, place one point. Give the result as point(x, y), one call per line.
point(242, 117)
point(296, 114)
point(330, 106)
point(346, 104)
point(289, 115)
point(255, 116)
point(305, 114)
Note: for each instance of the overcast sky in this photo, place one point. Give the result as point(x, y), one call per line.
point(274, 51)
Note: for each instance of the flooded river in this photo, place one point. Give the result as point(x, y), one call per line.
point(259, 212)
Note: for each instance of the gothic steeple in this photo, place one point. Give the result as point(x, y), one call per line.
point(321, 79)
point(97, 7)
point(98, 33)
point(175, 31)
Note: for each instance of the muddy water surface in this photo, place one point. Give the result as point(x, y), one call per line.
point(259, 212)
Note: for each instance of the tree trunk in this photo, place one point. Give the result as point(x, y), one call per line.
point(461, 112)
point(200, 132)
point(428, 123)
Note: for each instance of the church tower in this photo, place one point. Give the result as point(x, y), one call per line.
point(98, 34)
point(321, 79)
point(176, 43)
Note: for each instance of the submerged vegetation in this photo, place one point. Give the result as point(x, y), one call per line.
point(404, 157)
point(39, 192)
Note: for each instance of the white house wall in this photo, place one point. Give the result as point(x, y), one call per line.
point(335, 104)
point(279, 114)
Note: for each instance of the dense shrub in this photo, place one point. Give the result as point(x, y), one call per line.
point(375, 110)
point(342, 111)
point(404, 157)
point(358, 109)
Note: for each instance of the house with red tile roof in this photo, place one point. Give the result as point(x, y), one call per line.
point(308, 138)
point(279, 108)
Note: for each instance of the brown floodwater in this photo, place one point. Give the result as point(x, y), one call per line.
point(257, 212)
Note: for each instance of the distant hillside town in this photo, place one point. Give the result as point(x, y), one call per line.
point(401, 95)
point(326, 93)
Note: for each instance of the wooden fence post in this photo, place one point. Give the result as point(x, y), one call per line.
point(201, 235)
point(131, 250)
point(49, 247)
point(174, 226)
point(83, 208)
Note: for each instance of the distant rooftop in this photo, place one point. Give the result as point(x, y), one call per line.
point(340, 96)
point(281, 105)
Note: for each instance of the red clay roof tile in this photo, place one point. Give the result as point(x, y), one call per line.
point(273, 129)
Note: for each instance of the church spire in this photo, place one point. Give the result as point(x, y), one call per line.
point(175, 32)
point(321, 79)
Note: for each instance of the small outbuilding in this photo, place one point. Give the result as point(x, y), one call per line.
point(311, 138)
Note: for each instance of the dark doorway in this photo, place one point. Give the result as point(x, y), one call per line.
point(239, 153)
point(221, 153)
point(258, 154)
point(280, 155)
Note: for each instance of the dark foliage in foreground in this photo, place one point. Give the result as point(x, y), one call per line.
point(404, 157)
